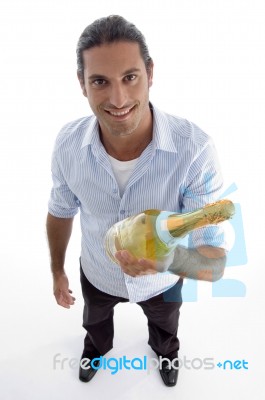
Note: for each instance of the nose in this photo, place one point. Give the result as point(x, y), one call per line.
point(118, 95)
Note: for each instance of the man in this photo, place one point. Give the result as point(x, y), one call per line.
point(126, 158)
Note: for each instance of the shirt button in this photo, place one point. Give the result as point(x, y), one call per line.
point(115, 190)
point(122, 212)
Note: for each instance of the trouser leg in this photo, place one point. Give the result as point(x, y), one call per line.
point(162, 313)
point(97, 318)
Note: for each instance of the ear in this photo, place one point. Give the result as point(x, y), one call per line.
point(150, 73)
point(81, 81)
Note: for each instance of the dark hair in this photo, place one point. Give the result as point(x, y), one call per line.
point(110, 29)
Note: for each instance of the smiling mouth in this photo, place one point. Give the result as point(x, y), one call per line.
point(120, 113)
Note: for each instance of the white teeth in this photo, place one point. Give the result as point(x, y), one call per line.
point(118, 114)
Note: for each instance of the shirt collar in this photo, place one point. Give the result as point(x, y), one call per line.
point(162, 133)
point(91, 135)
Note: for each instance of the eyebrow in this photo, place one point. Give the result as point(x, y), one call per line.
point(128, 72)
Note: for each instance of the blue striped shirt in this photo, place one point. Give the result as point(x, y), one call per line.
point(178, 171)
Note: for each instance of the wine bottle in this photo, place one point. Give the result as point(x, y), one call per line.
point(154, 234)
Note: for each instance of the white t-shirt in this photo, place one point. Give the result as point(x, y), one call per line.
point(122, 171)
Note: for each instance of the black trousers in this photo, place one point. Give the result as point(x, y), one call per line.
point(162, 314)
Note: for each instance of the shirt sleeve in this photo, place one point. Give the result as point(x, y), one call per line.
point(204, 185)
point(62, 203)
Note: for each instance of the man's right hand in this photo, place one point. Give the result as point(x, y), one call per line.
point(62, 292)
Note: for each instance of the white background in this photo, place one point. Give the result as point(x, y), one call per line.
point(209, 68)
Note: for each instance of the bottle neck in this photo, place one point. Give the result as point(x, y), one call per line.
point(179, 225)
point(171, 226)
point(211, 214)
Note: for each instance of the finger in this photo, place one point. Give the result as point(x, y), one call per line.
point(61, 302)
point(72, 297)
point(121, 261)
point(135, 271)
point(66, 302)
point(64, 305)
point(129, 270)
point(64, 297)
point(118, 256)
point(69, 299)
point(125, 257)
point(150, 271)
point(130, 273)
point(146, 263)
point(129, 258)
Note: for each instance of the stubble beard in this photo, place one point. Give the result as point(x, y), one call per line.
point(125, 129)
point(122, 131)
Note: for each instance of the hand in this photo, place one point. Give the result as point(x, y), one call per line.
point(133, 266)
point(62, 292)
point(143, 266)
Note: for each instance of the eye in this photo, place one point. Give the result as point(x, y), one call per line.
point(99, 82)
point(130, 77)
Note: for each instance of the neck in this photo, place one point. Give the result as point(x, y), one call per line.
point(126, 148)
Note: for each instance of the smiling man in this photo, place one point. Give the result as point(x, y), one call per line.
point(125, 158)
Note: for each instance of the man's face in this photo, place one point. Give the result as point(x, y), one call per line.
point(116, 84)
